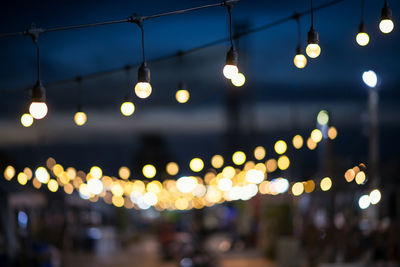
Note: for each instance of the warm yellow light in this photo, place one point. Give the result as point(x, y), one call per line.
point(217, 161)
point(238, 80)
point(181, 203)
point(225, 184)
point(326, 184)
point(28, 173)
point(283, 163)
point(52, 185)
point(362, 38)
point(316, 135)
point(271, 165)
point(230, 71)
point(9, 172)
point(172, 168)
point(196, 164)
point(182, 96)
point(127, 108)
point(96, 172)
point(22, 178)
point(309, 186)
point(360, 177)
point(332, 132)
point(313, 50)
point(143, 89)
point(228, 172)
point(149, 171)
point(26, 120)
point(118, 201)
point(323, 117)
point(297, 141)
point(297, 189)
point(117, 190)
point(124, 172)
point(375, 196)
point(239, 157)
point(42, 175)
point(311, 144)
point(349, 175)
point(386, 25)
point(154, 187)
point(259, 153)
point(300, 61)
point(186, 184)
point(38, 110)
point(80, 118)
point(280, 147)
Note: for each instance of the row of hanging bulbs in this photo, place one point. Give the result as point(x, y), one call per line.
point(38, 108)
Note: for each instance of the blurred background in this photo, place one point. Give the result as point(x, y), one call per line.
point(307, 166)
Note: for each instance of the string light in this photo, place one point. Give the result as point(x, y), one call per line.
point(182, 96)
point(313, 49)
point(127, 107)
point(143, 87)
point(238, 80)
point(362, 37)
point(386, 24)
point(231, 70)
point(80, 117)
point(300, 61)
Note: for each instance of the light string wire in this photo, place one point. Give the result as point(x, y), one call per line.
point(362, 11)
point(181, 52)
point(312, 14)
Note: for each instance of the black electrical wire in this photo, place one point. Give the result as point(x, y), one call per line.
point(362, 11)
point(35, 41)
point(203, 46)
point(312, 14)
point(229, 7)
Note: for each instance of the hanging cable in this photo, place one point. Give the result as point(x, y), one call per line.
point(300, 61)
point(362, 37)
point(231, 70)
point(313, 49)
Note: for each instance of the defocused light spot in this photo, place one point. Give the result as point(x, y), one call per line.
point(375, 196)
point(228, 172)
point(217, 161)
point(186, 184)
point(182, 96)
point(259, 153)
point(172, 168)
point(316, 135)
point(42, 175)
point(309, 186)
point(349, 175)
point(124, 172)
point(323, 117)
point(225, 184)
point(297, 141)
point(95, 186)
point(96, 172)
point(311, 144)
point(297, 189)
point(9, 172)
point(196, 164)
point(149, 171)
point(326, 184)
point(52, 185)
point(239, 157)
point(271, 165)
point(22, 178)
point(280, 147)
point(360, 177)
point(283, 163)
point(254, 176)
point(364, 202)
point(332, 133)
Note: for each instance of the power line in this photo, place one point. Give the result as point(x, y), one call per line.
point(181, 52)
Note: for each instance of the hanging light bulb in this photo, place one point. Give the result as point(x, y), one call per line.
point(38, 108)
point(80, 117)
point(313, 50)
point(362, 37)
point(238, 80)
point(127, 107)
point(386, 24)
point(26, 120)
point(231, 70)
point(143, 87)
point(300, 61)
point(182, 95)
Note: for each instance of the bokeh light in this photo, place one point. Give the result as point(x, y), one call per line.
point(280, 147)
point(172, 168)
point(239, 157)
point(326, 184)
point(149, 171)
point(196, 164)
point(217, 161)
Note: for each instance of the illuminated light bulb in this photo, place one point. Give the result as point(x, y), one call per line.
point(22, 178)
point(362, 37)
point(313, 50)
point(127, 108)
point(271, 165)
point(280, 185)
point(228, 172)
point(42, 175)
point(52, 185)
point(375, 196)
point(80, 118)
point(300, 61)
point(370, 78)
point(38, 108)
point(196, 164)
point(332, 133)
point(280, 147)
point(182, 96)
point(143, 88)
point(326, 184)
point(217, 161)
point(311, 144)
point(238, 80)
point(149, 171)
point(323, 117)
point(26, 120)
point(364, 202)
point(283, 163)
point(124, 172)
point(239, 157)
point(231, 70)
point(386, 24)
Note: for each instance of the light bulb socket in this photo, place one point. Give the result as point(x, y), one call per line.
point(144, 73)
point(362, 28)
point(313, 36)
point(79, 109)
point(299, 51)
point(386, 12)
point(181, 85)
point(232, 57)
point(38, 93)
